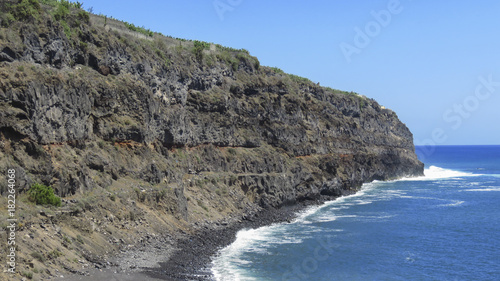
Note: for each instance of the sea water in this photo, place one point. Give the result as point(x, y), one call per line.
point(443, 226)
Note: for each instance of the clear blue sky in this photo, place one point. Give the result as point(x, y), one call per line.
point(435, 63)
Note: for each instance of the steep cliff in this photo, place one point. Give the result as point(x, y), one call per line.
point(121, 123)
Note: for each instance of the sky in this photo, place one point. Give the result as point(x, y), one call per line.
point(435, 63)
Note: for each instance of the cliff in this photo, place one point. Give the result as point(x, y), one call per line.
point(159, 134)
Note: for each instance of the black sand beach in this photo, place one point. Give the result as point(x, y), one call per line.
point(190, 256)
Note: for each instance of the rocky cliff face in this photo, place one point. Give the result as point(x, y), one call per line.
point(197, 130)
point(281, 137)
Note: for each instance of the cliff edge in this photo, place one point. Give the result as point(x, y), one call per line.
point(144, 135)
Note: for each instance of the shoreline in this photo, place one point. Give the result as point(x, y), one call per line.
point(189, 256)
point(194, 255)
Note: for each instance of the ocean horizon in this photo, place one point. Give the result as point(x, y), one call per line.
point(442, 226)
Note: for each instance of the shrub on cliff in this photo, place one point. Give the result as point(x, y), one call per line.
point(62, 10)
point(43, 195)
point(198, 48)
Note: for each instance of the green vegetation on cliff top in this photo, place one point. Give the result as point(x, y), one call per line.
point(72, 17)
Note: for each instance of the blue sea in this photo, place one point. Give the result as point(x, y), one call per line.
point(443, 226)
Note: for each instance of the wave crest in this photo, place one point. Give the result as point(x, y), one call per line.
point(436, 173)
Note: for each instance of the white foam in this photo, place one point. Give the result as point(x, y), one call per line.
point(376, 218)
point(339, 203)
point(251, 240)
point(484, 189)
point(436, 173)
point(256, 241)
point(364, 202)
point(454, 204)
point(385, 217)
point(304, 216)
point(329, 218)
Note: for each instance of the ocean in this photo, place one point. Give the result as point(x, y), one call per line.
point(443, 226)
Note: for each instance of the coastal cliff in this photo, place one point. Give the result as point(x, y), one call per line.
point(145, 136)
